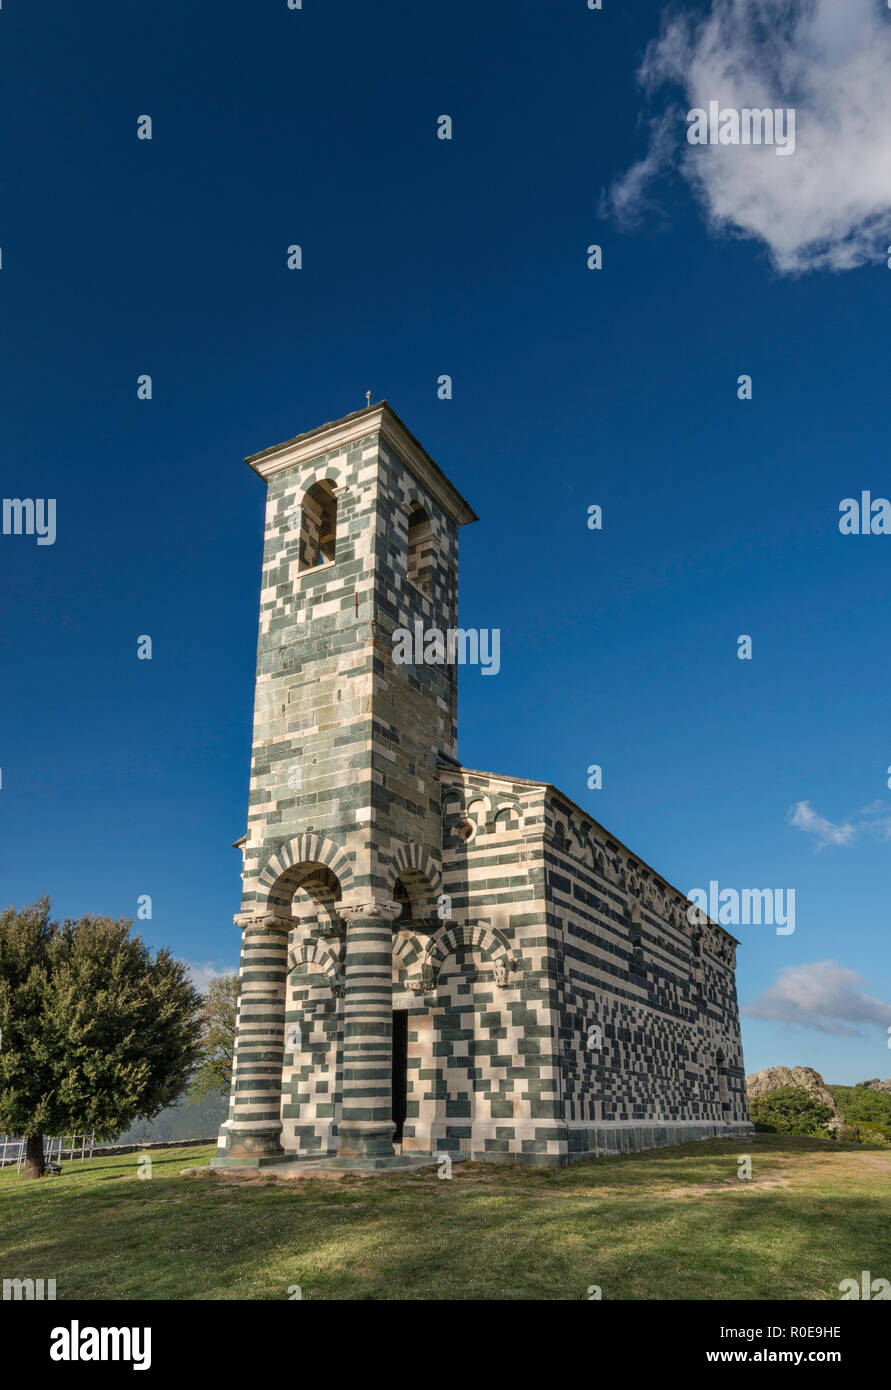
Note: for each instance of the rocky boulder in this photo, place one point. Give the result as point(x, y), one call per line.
point(761, 1083)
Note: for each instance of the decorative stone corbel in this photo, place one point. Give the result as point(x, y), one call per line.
point(504, 967)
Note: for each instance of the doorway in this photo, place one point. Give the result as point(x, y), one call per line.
point(400, 1071)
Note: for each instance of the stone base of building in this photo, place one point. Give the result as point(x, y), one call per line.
point(555, 1144)
point(600, 1140)
point(291, 1163)
point(257, 1161)
point(392, 1162)
point(535, 1142)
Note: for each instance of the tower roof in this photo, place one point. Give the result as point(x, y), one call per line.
point(373, 419)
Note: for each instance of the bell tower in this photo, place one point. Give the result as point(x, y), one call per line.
point(361, 541)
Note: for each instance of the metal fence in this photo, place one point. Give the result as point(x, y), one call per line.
point(12, 1149)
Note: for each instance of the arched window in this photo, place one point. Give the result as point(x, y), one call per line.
point(420, 549)
point(318, 525)
point(403, 898)
point(723, 1089)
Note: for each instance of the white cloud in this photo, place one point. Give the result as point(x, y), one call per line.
point(629, 198)
point(202, 972)
point(828, 204)
point(824, 832)
point(825, 996)
point(803, 816)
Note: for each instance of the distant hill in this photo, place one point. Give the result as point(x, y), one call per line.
point(180, 1121)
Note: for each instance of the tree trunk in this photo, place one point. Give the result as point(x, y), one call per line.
point(34, 1165)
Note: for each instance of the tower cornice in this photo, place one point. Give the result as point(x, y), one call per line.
point(378, 419)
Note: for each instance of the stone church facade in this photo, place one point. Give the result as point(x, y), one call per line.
point(436, 960)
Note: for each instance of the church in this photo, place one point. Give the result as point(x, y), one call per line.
point(436, 960)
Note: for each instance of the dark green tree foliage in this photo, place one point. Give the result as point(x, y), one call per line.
point(860, 1104)
point(789, 1110)
point(96, 1032)
point(218, 1015)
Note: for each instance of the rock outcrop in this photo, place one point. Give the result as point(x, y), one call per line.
point(877, 1085)
point(761, 1083)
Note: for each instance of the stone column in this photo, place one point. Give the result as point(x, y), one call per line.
point(252, 1132)
point(366, 1124)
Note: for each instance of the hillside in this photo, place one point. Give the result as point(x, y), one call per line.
point(180, 1121)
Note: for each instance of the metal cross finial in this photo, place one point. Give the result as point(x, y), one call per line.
point(367, 399)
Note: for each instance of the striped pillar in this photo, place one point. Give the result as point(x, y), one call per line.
point(253, 1128)
point(366, 1123)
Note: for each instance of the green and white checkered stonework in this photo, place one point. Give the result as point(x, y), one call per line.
point(552, 997)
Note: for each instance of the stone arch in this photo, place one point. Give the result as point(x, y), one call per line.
point(310, 893)
point(421, 548)
point(408, 952)
point(577, 839)
point(314, 956)
point(617, 874)
point(416, 870)
point(506, 816)
point(318, 525)
point(478, 809)
point(411, 497)
point(306, 850)
point(491, 943)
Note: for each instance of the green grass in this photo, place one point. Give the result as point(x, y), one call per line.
point(671, 1223)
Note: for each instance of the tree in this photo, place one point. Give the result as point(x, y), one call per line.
point(790, 1110)
point(861, 1103)
point(96, 1032)
point(218, 1017)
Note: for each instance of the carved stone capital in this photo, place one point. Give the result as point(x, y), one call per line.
point(271, 920)
point(375, 908)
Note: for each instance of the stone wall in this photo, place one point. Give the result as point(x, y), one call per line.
point(506, 922)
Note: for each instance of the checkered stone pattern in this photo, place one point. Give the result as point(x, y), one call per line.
point(630, 1021)
point(481, 1031)
point(380, 874)
point(344, 807)
point(310, 769)
point(312, 1080)
point(648, 1015)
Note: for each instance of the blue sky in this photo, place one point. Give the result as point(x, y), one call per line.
point(571, 387)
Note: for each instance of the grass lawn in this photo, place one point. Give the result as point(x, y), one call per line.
point(672, 1223)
